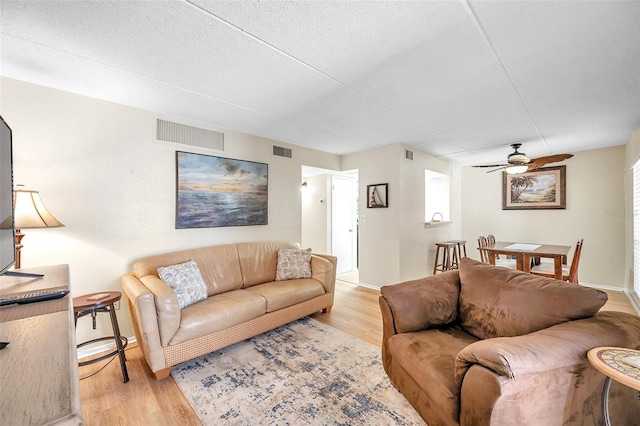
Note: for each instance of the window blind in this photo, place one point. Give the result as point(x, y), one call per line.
point(636, 227)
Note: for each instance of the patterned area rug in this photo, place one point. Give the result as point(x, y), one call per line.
point(303, 373)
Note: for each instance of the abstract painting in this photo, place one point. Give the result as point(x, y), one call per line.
point(216, 191)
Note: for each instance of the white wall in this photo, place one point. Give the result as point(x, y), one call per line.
point(379, 248)
point(394, 244)
point(417, 243)
point(595, 199)
point(100, 173)
point(316, 214)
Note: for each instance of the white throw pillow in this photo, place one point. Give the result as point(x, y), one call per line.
point(293, 264)
point(186, 282)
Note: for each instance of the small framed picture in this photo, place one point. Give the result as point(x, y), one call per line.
point(378, 195)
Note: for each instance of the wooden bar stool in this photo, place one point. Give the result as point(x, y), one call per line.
point(93, 304)
point(449, 257)
point(461, 248)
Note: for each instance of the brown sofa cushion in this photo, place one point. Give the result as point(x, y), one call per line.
point(429, 302)
point(502, 302)
point(428, 357)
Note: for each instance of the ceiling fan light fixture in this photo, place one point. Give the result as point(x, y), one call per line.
point(517, 157)
point(514, 170)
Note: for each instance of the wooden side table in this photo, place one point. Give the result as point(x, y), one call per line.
point(610, 361)
point(94, 304)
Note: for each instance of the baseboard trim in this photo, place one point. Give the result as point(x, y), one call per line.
point(634, 300)
point(602, 287)
point(369, 286)
point(98, 349)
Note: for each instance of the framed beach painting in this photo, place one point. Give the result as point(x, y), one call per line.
point(216, 191)
point(539, 189)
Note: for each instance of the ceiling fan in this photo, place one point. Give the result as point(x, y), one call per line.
point(518, 162)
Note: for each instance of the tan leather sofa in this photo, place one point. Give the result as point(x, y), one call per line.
point(488, 345)
point(243, 300)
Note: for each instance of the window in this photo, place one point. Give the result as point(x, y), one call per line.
point(436, 196)
point(636, 227)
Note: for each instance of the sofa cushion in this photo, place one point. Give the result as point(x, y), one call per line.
point(186, 282)
point(428, 356)
point(280, 294)
point(424, 303)
point(502, 302)
point(258, 261)
point(293, 264)
point(219, 266)
point(217, 313)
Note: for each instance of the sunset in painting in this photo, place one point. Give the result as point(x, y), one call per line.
point(216, 191)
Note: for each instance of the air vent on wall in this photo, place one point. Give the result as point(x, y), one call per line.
point(408, 154)
point(189, 135)
point(281, 152)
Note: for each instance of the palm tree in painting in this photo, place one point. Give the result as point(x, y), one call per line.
point(519, 184)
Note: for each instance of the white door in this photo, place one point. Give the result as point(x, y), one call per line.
point(343, 222)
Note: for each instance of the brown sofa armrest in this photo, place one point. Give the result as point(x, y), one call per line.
point(558, 346)
point(423, 303)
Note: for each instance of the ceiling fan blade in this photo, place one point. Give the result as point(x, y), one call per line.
point(493, 165)
point(499, 168)
point(536, 163)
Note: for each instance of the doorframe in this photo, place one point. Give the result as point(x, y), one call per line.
point(310, 171)
point(336, 209)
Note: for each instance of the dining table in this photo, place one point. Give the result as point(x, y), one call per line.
point(525, 252)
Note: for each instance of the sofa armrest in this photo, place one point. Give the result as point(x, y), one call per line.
point(167, 308)
point(323, 269)
point(144, 319)
point(555, 347)
point(423, 303)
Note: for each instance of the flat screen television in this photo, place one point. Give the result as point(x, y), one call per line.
point(7, 237)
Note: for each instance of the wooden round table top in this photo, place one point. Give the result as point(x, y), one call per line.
point(95, 299)
point(613, 362)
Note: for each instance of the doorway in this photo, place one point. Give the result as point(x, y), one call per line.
point(329, 215)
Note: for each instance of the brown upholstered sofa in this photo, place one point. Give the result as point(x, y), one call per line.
point(487, 345)
point(242, 300)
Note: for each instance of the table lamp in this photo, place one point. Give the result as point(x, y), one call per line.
point(30, 212)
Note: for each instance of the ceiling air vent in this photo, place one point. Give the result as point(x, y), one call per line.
point(408, 154)
point(189, 135)
point(281, 152)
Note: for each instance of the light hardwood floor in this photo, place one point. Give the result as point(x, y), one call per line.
point(106, 400)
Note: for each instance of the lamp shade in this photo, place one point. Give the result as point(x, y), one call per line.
point(514, 170)
point(30, 212)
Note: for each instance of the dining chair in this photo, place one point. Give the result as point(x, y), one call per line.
point(492, 240)
point(569, 273)
point(483, 242)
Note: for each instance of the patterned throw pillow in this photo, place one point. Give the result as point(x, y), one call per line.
point(186, 282)
point(293, 264)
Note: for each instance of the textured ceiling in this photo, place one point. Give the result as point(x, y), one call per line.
point(458, 79)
